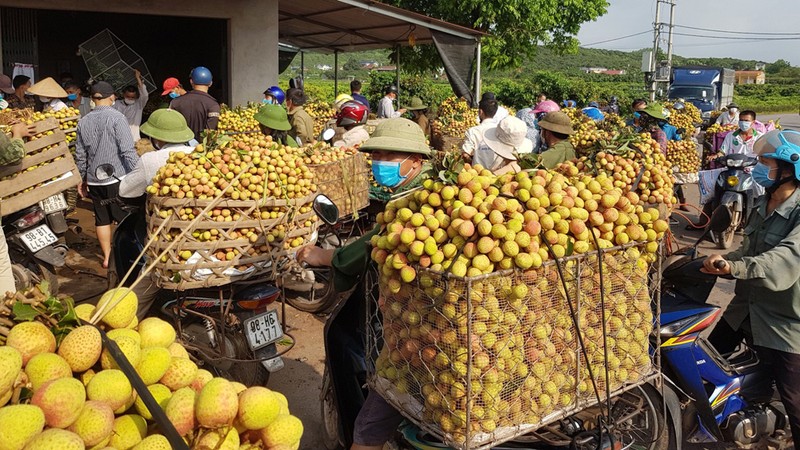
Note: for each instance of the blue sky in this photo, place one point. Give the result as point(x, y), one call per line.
point(626, 17)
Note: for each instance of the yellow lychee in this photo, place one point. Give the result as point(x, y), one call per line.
point(81, 348)
point(156, 333)
point(123, 313)
point(31, 338)
point(18, 425)
point(45, 367)
point(153, 364)
point(110, 386)
point(61, 400)
point(258, 406)
point(129, 430)
point(160, 393)
point(94, 424)
point(55, 438)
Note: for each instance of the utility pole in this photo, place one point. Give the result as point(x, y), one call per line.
point(654, 58)
point(671, 26)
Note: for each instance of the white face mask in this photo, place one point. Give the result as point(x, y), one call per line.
point(92, 104)
point(44, 99)
point(129, 101)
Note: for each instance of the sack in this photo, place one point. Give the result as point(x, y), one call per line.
point(706, 183)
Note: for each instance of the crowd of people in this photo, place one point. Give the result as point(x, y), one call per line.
point(111, 124)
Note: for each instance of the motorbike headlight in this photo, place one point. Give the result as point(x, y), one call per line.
point(733, 180)
point(733, 163)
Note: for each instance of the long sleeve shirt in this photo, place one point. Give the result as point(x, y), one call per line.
point(133, 113)
point(767, 277)
point(302, 125)
point(386, 109)
point(104, 138)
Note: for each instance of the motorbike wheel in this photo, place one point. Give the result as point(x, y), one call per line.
point(319, 298)
point(330, 415)
point(725, 239)
point(640, 417)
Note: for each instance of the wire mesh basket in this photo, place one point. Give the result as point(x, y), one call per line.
point(478, 361)
point(109, 59)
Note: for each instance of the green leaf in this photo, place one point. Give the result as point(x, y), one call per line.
point(570, 247)
point(24, 312)
point(44, 288)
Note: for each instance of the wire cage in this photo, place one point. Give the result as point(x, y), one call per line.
point(478, 361)
point(109, 59)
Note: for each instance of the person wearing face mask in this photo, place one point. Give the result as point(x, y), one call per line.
point(385, 106)
point(172, 89)
point(132, 103)
point(741, 141)
point(637, 106)
point(765, 310)
point(168, 133)
point(731, 117)
point(103, 137)
point(49, 94)
point(200, 109)
point(399, 161)
point(19, 100)
point(302, 123)
point(556, 129)
point(6, 89)
point(75, 98)
point(274, 96)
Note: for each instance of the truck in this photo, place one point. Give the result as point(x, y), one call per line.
point(708, 88)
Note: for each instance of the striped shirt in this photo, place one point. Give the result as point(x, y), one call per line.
point(104, 138)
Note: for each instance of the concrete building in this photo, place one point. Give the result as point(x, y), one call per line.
point(236, 39)
point(750, 77)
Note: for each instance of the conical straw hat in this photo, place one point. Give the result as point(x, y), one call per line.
point(48, 88)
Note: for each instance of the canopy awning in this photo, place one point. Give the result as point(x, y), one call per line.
point(353, 25)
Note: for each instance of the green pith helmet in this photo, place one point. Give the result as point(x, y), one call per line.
point(397, 135)
point(273, 117)
point(655, 111)
point(416, 104)
point(169, 126)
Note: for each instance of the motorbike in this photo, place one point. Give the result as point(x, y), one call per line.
point(735, 191)
point(34, 242)
point(230, 328)
point(701, 395)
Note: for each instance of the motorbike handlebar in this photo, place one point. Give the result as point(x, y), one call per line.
point(720, 264)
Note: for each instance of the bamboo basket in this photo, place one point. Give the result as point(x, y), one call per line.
point(236, 241)
point(477, 361)
point(345, 182)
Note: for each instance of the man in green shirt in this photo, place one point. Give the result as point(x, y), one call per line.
point(765, 309)
point(11, 152)
point(399, 152)
point(556, 130)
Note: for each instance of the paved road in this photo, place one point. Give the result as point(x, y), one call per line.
point(791, 120)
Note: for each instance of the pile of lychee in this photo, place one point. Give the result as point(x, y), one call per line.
point(475, 315)
point(72, 394)
point(683, 156)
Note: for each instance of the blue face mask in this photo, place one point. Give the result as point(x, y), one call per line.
point(387, 173)
point(636, 115)
point(760, 175)
point(174, 95)
point(72, 97)
point(267, 101)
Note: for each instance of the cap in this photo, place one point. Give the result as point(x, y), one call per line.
point(101, 90)
point(397, 135)
point(507, 137)
point(170, 84)
point(48, 88)
point(557, 122)
point(5, 84)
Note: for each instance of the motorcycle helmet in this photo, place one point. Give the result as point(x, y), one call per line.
point(276, 93)
point(783, 145)
point(341, 99)
point(352, 113)
point(201, 76)
point(593, 113)
point(546, 107)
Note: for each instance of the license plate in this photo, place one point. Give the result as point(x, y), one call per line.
point(263, 329)
point(54, 204)
point(38, 238)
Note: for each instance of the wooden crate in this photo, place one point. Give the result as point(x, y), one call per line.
point(64, 171)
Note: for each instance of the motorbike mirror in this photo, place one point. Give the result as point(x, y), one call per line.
point(328, 134)
point(720, 220)
point(104, 172)
point(326, 209)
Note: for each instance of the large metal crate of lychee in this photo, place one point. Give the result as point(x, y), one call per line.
point(345, 181)
point(47, 169)
point(483, 360)
point(234, 241)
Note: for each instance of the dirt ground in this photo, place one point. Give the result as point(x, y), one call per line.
point(301, 378)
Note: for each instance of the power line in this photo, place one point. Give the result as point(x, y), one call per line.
point(617, 38)
point(736, 38)
point(739, 32)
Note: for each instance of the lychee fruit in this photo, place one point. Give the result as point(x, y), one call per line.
point(203, 376)
point(45, 367)
point(129, 430)
point(31, 338)
point(123, 313)
point(81, 348)
point(219, 439)
point(153, 442)
point(180, 373)
point(10, 366)
point(61, 400)
point(55, 438)
point(180, 410)
point(217, 404)
point(156, 333)
point(110, 386)
point(94, 424)
point(160, 393)
point(18, 425)
point(258, 406)
point(128, 347)
point(284, 430)
point(153, 364)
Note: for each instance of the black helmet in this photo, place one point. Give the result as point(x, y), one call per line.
point(614, 99)
point(391, 89)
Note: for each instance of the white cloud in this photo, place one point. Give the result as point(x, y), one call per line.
point(626, 17)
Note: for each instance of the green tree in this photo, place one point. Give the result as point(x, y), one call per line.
point(778, 66)
point(515, 27)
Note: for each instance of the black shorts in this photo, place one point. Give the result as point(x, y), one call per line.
point(106, 208)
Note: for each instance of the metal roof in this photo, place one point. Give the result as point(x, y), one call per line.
point(355, 25)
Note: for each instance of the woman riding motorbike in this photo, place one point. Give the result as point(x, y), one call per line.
point(399, 153)
point(766, 307)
